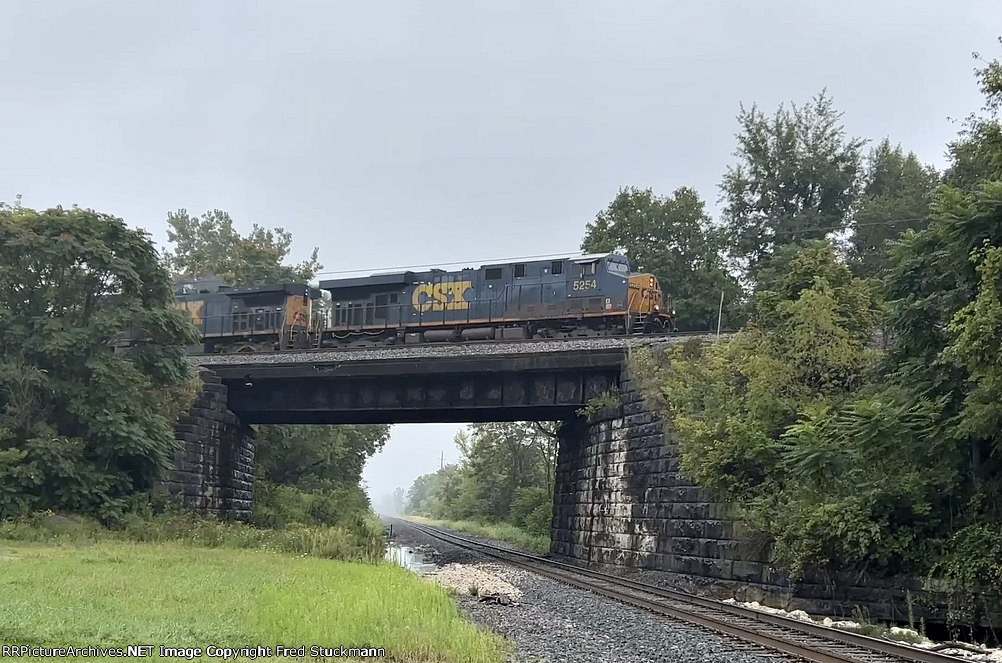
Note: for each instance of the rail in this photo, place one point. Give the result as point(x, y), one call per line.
point(809, 641)
point(645, 338)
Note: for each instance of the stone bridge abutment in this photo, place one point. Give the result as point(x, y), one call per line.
point(621, 499)
point(214, 458)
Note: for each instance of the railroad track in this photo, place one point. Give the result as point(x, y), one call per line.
point(522, 341)
point(784, 635)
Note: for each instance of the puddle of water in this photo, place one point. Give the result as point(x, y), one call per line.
point(408, 558)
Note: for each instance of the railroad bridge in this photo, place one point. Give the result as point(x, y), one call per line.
point(620, 497)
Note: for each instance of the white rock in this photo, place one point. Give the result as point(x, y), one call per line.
point(462, 577)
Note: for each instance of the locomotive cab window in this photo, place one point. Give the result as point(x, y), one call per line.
point(556, 267)
point(588, 268)
point(519, 271)
point(493, 274)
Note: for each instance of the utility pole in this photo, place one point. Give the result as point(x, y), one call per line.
point(720, 311)
point(441, 463)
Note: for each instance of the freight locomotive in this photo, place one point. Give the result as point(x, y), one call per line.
point(558, 297)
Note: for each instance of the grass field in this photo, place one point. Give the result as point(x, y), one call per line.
point(112, 593)
point(497, 532)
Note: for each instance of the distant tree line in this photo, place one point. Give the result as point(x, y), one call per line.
point(505, 474)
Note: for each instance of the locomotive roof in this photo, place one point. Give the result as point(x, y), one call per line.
point(289, 288)
point(409, 277)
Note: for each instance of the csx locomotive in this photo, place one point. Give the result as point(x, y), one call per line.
point(560, 297)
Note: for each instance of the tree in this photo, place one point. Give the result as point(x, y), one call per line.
point(796, 180)
point(896, 197)
point(505, 475)
point(316, 457)
point(398, 498)
point(670, 237)
point(327, 460)
point(86, 421)
point(977, 151)
point(210, 245)
point(853, 459)
point(784, 420)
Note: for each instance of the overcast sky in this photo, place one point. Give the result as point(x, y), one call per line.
point(403, 133)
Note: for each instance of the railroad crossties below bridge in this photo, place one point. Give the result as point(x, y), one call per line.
point(620, 499)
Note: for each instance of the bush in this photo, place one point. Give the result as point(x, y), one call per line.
point(84, 425)
point(279, 506)
point(530, 509)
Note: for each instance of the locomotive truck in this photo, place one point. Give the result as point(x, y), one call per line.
point(557, 297)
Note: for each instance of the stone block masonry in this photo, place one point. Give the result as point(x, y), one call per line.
point(214, 462)
point(621, 500)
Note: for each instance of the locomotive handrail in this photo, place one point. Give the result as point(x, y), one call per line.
point(375, 318)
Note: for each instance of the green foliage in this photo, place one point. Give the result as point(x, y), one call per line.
point(532, 510)
point(493, 532)
point(977, 151)
point(316, 457)
point(278, 506)
point(505, 476)
point(85, 421)
point(671, 237)
point(779, 420)
point(363, 541)
point(209, 244)
point(945, 314)
point(608, 401)
point(850, 459)
point(972, 559)
point(896, 196)
point(977, 334)
point(304, 474)
point(796, 180)
point(309, 475)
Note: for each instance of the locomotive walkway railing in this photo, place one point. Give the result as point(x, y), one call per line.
point(437, 308)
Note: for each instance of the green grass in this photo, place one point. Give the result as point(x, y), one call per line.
point(115, 593)
point(363, 541)
point(495, 531)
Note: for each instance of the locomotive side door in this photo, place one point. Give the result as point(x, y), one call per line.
point(583, 286)
point(555, 288)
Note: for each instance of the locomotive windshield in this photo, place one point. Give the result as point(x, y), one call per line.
point(618, 267)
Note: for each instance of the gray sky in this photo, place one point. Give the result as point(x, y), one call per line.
point(400, 133)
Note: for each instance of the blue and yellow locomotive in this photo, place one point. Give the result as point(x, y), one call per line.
point(558, 297)
point(251, 319)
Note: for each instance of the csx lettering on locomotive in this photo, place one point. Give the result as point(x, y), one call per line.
point(448, 296)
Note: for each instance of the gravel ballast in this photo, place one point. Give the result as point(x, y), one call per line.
point(441, 350)
point(549, 622)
